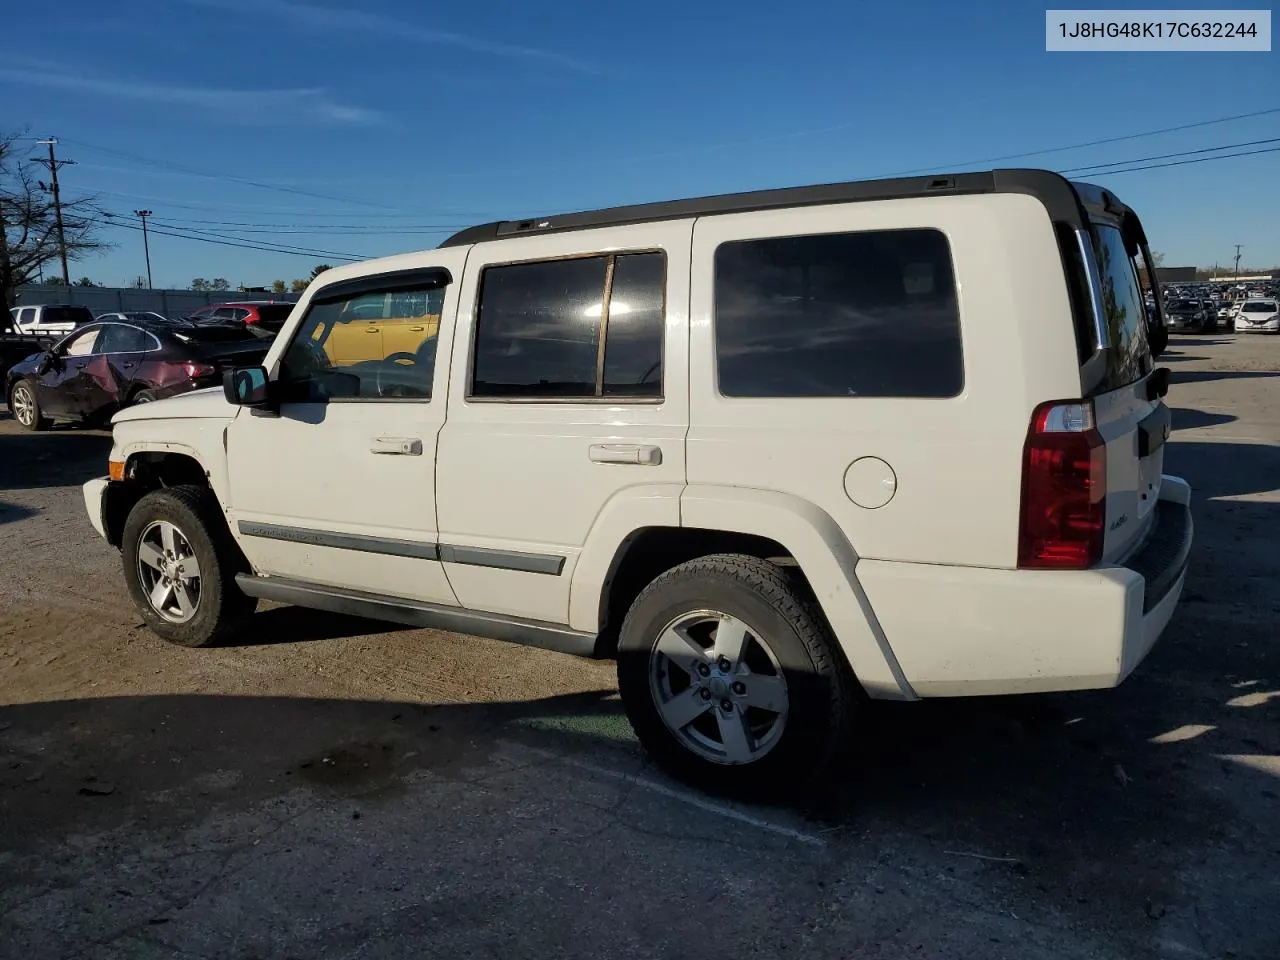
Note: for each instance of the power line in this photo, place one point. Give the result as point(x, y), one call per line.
point(245, 246)
point(1179, 163)
point(229, 178)
point(1088, 143)
point(1166, 156)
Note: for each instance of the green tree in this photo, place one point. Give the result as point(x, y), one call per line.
point(297, 286)
point(279, 286)
point(319, 269)
point(54, 281)
point(219, 283)
point(85, 282)
point(200, 283)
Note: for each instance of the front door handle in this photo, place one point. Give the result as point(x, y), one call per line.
point(401, 446)
point(644, 454)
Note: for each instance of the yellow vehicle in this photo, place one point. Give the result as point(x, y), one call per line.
point(379, 326)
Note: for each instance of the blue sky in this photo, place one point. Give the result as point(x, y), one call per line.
point(382, 129)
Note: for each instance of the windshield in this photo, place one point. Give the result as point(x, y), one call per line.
point(1129, 356)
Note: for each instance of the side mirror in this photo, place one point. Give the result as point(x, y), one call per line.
point(246, 386)
point(46, 363)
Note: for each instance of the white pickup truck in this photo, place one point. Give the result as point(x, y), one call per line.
point(775, 452)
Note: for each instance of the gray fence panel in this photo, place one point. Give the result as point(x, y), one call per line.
point(170, 303)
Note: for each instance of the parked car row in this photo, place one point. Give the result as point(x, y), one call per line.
point(57, 320)
point(104, 366)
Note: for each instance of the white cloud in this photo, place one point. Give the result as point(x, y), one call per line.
point(390, 28)
point(278, 106)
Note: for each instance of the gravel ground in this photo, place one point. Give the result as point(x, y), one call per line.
point(335, 788)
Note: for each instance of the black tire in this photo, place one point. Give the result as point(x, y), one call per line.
point(143, 396)
point(821, 692)
point(36, 420)
point(221, 607)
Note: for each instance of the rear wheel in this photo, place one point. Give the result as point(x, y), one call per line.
point(143, 396)
point(731, 678)
point(180, 565)
point(25, 407)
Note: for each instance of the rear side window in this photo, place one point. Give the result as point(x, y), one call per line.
point(274, 314)
point(1124, 312)
point(869, 314)
point(119, 338)
point(571, 329)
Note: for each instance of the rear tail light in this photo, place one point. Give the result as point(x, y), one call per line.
point(194, 371)
point(1064, 489)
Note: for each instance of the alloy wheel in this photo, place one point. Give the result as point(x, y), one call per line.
point(24, 405)
point(718, 687)
point(169, 572)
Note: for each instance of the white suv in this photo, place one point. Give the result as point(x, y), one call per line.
point(771, 450)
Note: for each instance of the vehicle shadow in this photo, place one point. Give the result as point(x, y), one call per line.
point(284, 624)
point(56, 458)
point(1213, 340)
point(1188, 418)
point(1205, 376)
point(10, 512)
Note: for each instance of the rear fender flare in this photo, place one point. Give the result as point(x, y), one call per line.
point(828, 562)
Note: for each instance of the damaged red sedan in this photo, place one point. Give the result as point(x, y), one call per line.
point(102, 367)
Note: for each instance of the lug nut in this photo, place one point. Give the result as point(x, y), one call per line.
point(724, 665)
point(726, 706)
point(739, 687)
point(705, 694)
point(704, 670)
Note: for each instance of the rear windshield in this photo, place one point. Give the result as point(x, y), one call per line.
point(208, 333)
point(1259, 306)
point(275, 313)
point(1129, 356)
point(76, 315)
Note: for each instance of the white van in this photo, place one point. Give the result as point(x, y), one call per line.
point(774, 451)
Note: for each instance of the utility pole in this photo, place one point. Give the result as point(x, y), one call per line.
point(53, 163)
point(1237, 277)
point(146, 247)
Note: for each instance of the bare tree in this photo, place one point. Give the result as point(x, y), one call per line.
point(28, 227)
point(219, 283)
point(200, 283)
point(297, 286)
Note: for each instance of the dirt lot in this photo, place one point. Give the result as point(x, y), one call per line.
point(335, 788)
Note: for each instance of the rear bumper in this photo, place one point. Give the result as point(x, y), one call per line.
point(968, 631)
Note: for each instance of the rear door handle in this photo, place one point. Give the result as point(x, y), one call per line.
point(401, 446)
point(644, 454)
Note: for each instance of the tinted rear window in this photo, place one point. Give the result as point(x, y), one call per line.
point(76, 315)
point(275, 313)
point(868, 314)
point(1260, 306)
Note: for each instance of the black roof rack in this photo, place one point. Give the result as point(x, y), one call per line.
point(1054, 191)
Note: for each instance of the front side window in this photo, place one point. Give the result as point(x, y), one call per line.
point(81, 345)
point(589, 327)
point(378, 345)
point(869, 314)
point(1124, 315)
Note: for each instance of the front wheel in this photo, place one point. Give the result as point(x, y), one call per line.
point(731, 678)
point(26, 408)
point(180, 565)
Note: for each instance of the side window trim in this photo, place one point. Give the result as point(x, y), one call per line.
point(419, 279)
point(947, 257)
point(611, 258)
